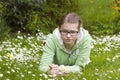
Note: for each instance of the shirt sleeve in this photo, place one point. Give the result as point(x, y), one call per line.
point(47, 56)
point(72, 69)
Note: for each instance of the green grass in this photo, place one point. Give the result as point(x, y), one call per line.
point(103, 66)
point(19, 59)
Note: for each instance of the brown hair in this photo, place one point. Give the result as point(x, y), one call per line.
point(70, 18)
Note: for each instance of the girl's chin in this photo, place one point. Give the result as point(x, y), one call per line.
point(68, 42)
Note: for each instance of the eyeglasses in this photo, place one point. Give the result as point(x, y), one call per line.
point(65, 32)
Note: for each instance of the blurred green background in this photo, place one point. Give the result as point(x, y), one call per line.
point(28, 16)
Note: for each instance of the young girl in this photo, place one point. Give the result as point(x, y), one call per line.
point(67, 49)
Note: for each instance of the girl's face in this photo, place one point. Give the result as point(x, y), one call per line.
point(69, 33)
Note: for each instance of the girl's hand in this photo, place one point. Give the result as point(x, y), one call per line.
point(54, 70)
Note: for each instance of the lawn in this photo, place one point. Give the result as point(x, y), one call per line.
point(20, 56)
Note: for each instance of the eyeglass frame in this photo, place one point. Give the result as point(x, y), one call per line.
point(72, 33)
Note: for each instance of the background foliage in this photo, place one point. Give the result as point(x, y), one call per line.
point(99, 17)
point(27, 16)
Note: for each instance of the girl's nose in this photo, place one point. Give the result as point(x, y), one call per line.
point(68, 35)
